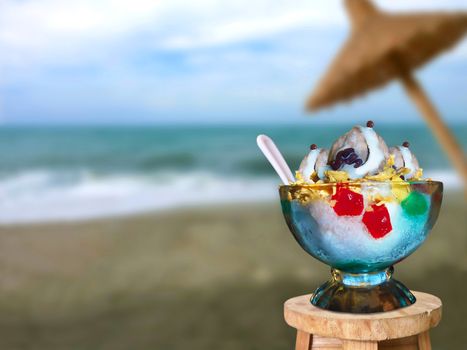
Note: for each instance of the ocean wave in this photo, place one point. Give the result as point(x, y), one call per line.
point(450, 179)
point(42, 196)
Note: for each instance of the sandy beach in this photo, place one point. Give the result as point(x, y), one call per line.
point(201, 278)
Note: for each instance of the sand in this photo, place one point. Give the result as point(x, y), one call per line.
point(199, 278)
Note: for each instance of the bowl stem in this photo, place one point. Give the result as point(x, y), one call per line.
point(362, 292)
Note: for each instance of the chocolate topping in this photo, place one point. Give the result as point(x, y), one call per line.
point(346, 156)
point(313, 147)
point(406, 144)
point(370, 123)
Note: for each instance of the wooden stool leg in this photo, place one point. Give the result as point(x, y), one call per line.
point(359, 345)
point(424, 342)
point(304, 340)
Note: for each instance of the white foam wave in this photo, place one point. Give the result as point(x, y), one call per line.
point(450, 179)
point(41, 196)
point(44, 196)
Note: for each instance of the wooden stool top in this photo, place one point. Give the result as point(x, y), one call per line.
point(417, 318)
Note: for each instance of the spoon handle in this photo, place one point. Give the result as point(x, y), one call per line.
point(274, 156)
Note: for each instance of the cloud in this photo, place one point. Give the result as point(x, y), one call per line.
point(34, 30)
point(165, 56)
point(41, 30)
point(263, 19)
point(51, 30)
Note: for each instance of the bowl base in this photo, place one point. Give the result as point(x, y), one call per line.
point(362, 293)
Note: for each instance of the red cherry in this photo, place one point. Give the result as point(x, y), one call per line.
point(348, 203)
point(377, 221)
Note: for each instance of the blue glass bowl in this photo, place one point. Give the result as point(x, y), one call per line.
point(361, 230)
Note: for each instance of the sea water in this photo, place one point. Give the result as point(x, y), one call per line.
point(69, 173)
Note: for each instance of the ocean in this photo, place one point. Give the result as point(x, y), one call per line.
point(71, 173)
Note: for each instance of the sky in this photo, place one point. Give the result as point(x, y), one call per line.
point(204, 61)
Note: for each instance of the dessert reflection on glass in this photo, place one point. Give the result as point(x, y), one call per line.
point(359, 207)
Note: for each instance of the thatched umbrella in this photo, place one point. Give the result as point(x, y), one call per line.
point(385, 46)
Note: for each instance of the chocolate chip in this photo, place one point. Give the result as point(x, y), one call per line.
point(406, 144)
point(313, 147)
point(370, 123)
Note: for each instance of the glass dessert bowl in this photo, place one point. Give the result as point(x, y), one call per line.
point(361, 229)
point(359, 207)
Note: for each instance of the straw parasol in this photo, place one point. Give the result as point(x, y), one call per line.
point(385, 46)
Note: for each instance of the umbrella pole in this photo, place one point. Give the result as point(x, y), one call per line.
point(439, 128)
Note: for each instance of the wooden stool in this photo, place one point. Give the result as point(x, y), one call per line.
point(406, 328)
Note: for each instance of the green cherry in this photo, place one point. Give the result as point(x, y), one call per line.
point(415, 204)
